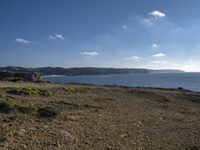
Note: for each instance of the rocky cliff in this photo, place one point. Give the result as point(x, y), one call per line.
point(26, 76)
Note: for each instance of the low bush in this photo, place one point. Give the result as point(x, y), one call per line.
point(31, 91)
point(7, 118)
point(8, 105)
point(72, 90)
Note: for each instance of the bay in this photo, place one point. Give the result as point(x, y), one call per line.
point(190, 81)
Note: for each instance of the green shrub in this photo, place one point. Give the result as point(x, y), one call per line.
point(30, 91)
point(72, 90)
point(7, 118)
point(8, 105)
point(45, 92)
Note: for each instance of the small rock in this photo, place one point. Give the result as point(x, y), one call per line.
point(22, 132)
point(66, 138)
point(71, 118)
point(33, 129)
point(124, 135)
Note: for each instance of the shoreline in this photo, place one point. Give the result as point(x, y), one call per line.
point(189, 81)
point(105, 85)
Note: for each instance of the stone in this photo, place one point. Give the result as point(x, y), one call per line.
point(22, 132)
point(66, 138)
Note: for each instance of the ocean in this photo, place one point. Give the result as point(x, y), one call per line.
point(190, 81)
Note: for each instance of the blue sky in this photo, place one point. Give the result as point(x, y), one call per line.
point(157, 34)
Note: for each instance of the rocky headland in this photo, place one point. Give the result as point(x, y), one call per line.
point(20, 76)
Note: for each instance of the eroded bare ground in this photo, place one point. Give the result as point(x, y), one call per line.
point(100, 118)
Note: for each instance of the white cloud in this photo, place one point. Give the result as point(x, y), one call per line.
point(57, 37)
point(153, 18)
point(157, 14)
point(125, 27)
point(132, 58)
point(90, 53)
point(155, 45)
point(52, 37)
point(159, 55)
point(22, 41)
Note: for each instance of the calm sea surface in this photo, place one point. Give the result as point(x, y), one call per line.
point(189, 81)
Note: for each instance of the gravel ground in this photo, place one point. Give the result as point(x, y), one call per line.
point(90, 117)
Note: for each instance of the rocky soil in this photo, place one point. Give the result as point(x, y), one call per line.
point(47, 116)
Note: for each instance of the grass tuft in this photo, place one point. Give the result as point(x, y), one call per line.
point(72, 90)
point(31, 91)
point(8, 105)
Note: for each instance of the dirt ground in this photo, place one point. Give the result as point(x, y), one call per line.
point(93, 117)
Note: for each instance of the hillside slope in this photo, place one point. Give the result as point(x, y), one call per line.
point(81, 117)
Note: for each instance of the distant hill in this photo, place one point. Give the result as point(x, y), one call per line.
point(80, 71)
point(166, 71)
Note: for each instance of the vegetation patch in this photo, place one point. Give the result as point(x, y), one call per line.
point(72, 90)
point(9, 105)
point(50, 109)
point(6, 118)
point(31, 91)
point(193, 148)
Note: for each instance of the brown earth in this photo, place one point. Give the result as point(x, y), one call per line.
point(102, 118)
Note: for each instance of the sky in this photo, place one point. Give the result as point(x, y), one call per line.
point(154, 34)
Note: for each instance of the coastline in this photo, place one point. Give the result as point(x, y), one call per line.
point(189, 81)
